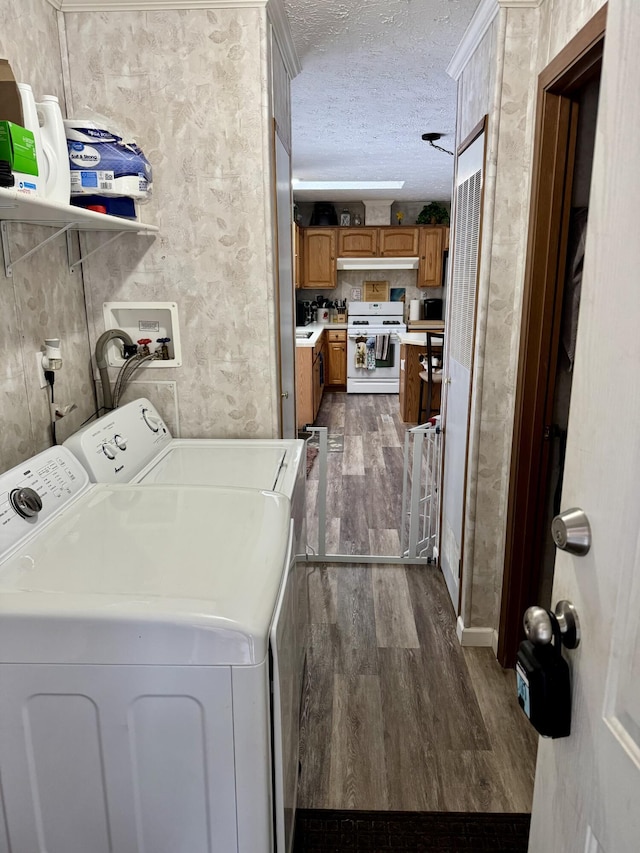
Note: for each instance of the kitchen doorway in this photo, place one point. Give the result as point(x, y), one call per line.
point(563, 152)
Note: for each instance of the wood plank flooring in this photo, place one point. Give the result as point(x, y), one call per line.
point(364, 482)
point(397, 716)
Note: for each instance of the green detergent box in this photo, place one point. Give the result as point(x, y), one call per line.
point(18, 148)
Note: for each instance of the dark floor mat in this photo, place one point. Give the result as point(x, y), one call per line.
point(324, 831)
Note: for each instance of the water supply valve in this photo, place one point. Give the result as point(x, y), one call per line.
point(163, 350)
point(143, 343)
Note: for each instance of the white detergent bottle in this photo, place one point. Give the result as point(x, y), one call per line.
point(54, 143)
point(30, 117)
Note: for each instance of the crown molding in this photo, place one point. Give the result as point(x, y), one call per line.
point(151, 5)
point(280, 22)
point(482, 19)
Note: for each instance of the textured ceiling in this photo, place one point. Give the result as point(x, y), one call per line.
point(373, 80)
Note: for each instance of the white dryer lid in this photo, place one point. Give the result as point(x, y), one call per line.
point(183, 575)
point(251, 463)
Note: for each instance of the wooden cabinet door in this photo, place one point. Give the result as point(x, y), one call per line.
point(430, 265)
point(297, 256)
point(398, 242)
point(337, 358)
point(319, 257)
point(305, 413)
point(357, 242)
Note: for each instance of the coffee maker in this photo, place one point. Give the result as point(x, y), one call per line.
point(304, 313)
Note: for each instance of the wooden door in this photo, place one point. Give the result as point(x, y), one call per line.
point(357, 242)
point(587, 791)
point(430, 265)
point(319, 258)
point(398, 242)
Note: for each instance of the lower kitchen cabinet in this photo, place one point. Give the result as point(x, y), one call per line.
point(410, 383)
point(310, 381)
point(336, 358)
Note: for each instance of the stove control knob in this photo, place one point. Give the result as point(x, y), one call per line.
point(108, 451)
point(26, 502)
point(151, 421)
point(120, 442)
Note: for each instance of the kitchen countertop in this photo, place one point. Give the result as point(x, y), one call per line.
point(317, 329)
point(414, 338)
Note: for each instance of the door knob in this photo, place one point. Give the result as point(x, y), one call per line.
point(571, 531)
point(541, 625)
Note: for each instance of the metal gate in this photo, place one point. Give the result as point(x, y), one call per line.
point(421, 492)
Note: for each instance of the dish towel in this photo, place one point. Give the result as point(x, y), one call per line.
point(382, 347)
point(361, 354)
point(371, 353)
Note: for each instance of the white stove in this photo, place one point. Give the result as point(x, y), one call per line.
point(373, 347)
point(149, 668)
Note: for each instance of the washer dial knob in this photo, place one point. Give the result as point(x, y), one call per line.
point(108, 451)
point(120, 442)
point(151, 421)
point(26, 502)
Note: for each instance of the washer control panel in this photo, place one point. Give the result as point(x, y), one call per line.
point(32, 493)
point(116, 447)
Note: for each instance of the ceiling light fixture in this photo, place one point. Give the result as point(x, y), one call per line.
point(299, 184)
point(431, 138)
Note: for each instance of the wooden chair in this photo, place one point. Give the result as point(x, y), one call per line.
point(430, 377)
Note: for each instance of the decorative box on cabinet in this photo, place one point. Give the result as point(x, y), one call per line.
point(319, 258)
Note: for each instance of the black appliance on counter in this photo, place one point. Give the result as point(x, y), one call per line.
point(432, 309)
point(305, 314)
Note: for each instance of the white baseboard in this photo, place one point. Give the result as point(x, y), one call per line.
point(478, 637)
point(451, 582)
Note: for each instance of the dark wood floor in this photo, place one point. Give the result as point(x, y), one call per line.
point(397, 715)
point(364, 482)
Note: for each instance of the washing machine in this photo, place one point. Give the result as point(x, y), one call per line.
point(148, 665)
point(133, 444)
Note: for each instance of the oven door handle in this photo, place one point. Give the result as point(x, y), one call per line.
point(393, 338)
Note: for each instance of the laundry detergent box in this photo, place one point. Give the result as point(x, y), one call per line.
point(18, 148)
point(103, 163)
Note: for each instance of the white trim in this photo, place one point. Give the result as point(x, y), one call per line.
point(152, 5)
point(453, 585)
point(494, 643)
point(278, 16)
point(482, 19)
point(478, 637)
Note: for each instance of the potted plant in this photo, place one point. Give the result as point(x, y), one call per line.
point(433, 213)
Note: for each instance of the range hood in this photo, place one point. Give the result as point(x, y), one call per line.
point(377, 263)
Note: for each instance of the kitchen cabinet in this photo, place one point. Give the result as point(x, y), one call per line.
point(430, 257)
point(297, 256)
point(336, 358)
point(310, 380)
point(410, 369)
point(319, 258)
point(357, 242)
point(398, 242)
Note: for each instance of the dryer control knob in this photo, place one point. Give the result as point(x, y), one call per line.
point(26, 502)
point(108, 451)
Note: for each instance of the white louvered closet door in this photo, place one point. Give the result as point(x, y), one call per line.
point(461, 339)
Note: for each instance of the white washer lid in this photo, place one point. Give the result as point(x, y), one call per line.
point(251, 463)
point(184, 575)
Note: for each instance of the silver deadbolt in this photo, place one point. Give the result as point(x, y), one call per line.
point(540, 624)
point(571, 532)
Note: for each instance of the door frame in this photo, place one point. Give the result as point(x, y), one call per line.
point(552, 177)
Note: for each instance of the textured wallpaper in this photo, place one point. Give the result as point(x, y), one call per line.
point(192, 85)
point(42, 299)
point(533, 37)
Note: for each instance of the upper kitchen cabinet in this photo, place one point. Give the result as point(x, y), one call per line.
point(431, 248)
point(297, 256)
point(319, 258)
point(398, 242)
point(357, 242)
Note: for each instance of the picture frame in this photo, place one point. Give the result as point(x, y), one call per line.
point(376, 291)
